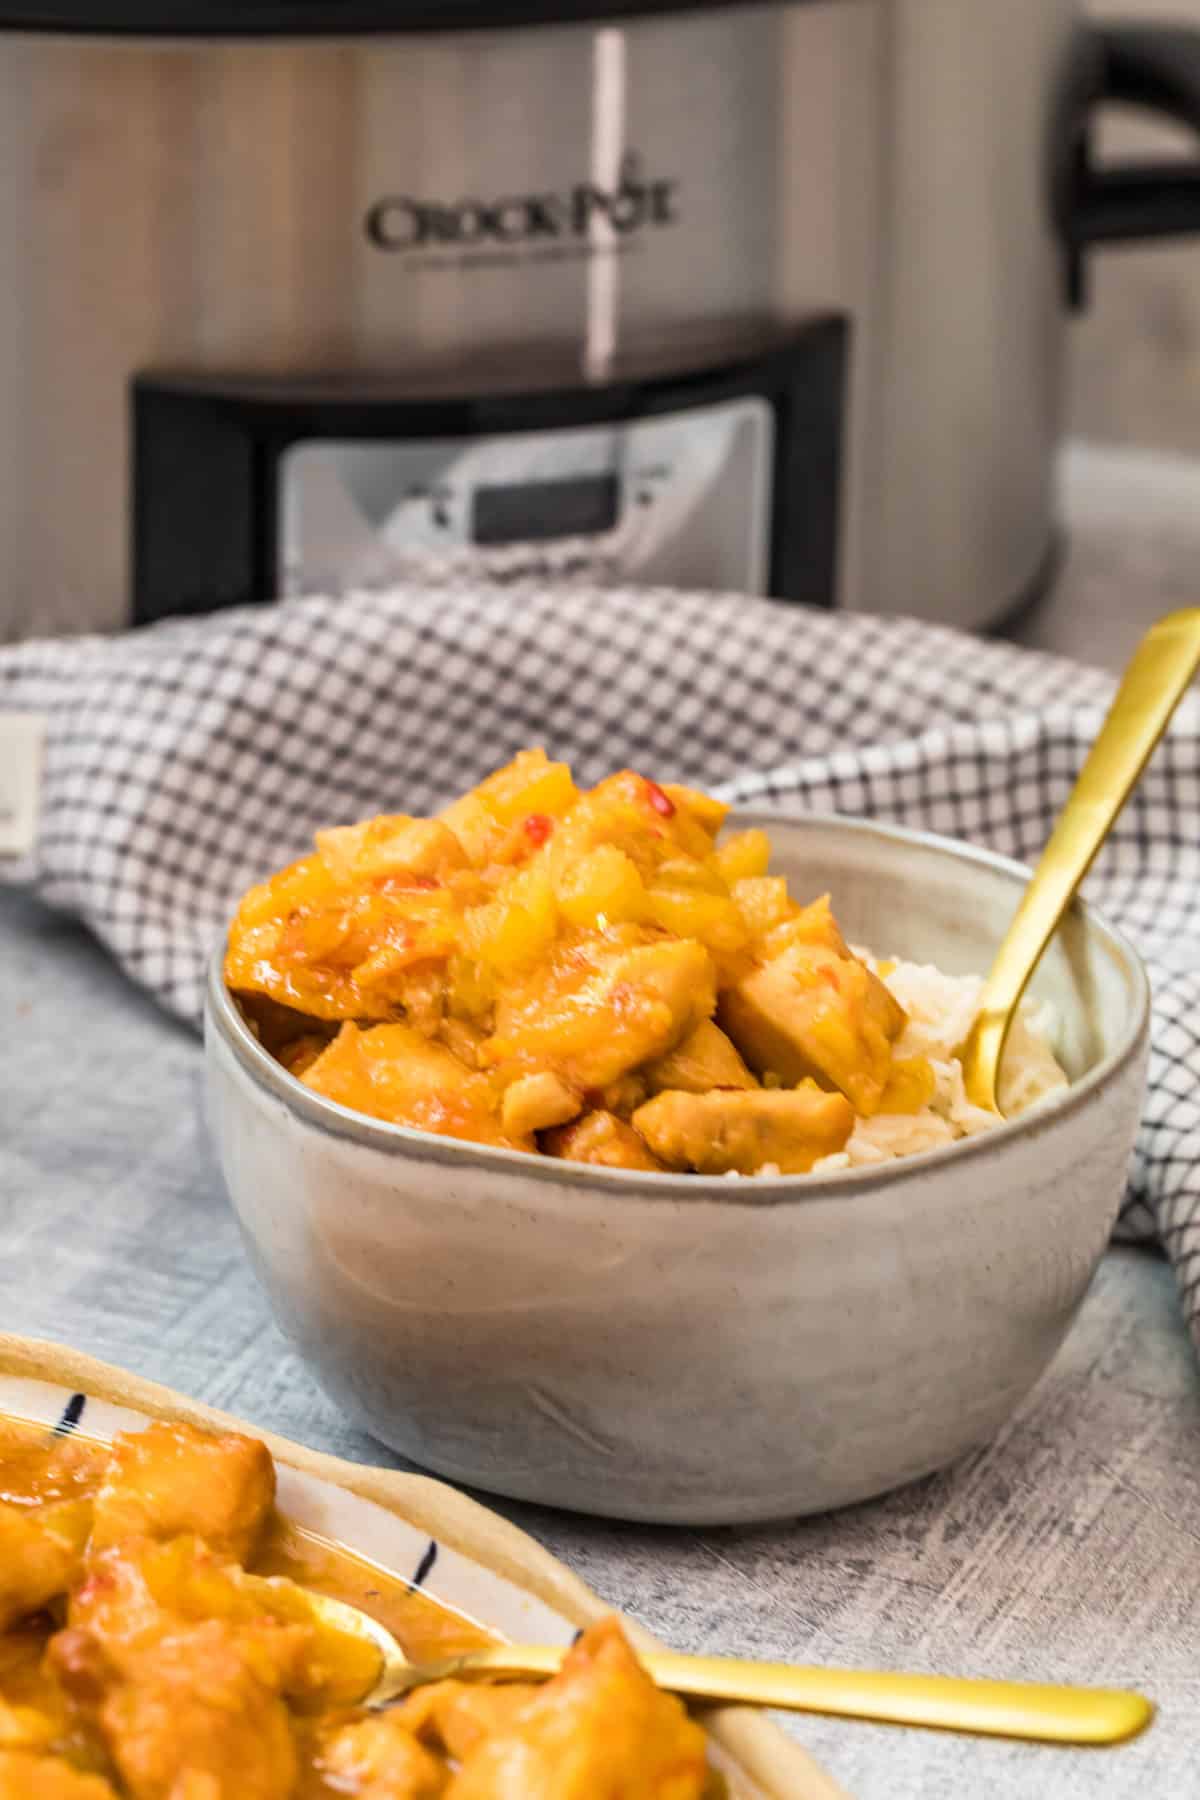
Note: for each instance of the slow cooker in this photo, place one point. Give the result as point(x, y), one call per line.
point(304, 295)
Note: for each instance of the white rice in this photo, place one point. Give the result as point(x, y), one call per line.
point(940, 1009)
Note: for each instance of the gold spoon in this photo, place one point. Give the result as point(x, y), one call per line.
point(1151, 688)
point(1015, 1709)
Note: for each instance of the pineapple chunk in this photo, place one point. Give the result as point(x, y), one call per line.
point(809, 1012)
point(510, 933)
point(690, 874)
point(392, 1072)
point(717, 1132)
point(602, 1012)
point(474, 827)
point(495, 821)
point(745, 856)
point(811, 924)
point(603, 888)
point(602, 1139)
point(774, 920)
point(307, 883)
point(635, 815)
point(390, 847)
point(705, 1059)
point(910, 1087)
point(471, 990)
point(763, 901)
point(531, 783)
point(708, 813)
point(688, 912)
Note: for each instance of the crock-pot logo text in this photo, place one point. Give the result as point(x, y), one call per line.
point(585, 219)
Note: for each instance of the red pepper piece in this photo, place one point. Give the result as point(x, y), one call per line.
point(538, 827)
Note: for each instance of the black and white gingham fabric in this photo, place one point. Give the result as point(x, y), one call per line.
point(185, 761)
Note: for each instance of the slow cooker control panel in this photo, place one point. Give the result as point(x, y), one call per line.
point(682, 501)
point(724, 478)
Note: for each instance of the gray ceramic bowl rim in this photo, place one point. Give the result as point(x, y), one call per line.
point(335, 1120)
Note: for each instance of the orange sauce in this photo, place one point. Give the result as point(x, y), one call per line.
point(424, 1629)
point(36, 1467)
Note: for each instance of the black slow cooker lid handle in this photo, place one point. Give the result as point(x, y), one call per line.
point(1156, 68)
point(319, 18)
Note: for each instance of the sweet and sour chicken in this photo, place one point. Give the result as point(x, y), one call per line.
point(155, 1646)
point(591, 975)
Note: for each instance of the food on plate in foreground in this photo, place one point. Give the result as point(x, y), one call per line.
point(595, 976)
point(154, 1644)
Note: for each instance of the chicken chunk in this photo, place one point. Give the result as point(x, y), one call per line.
point(536, 1102)
point(811, 1013)
point(38, 1562)
point(300, 1053)
point(705, 1059)
point(122, 1600)
point(454, 1717)
point(198, 1702)
point(310, 942)
point(601, 1012)
point(599, 1727)
point(168, 1479)
point(600, 1138)
point(376, 1758)
point(715, 1132)
point(393, 1072)
point(24, 1777)
point(141, 1588)
point(179, 1665)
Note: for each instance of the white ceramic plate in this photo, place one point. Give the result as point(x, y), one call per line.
point(451, 1548)
point(375, 1534)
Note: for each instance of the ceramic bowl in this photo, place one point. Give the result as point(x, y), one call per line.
point(689, 1350)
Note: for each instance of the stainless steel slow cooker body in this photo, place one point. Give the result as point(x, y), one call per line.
point(543, 205)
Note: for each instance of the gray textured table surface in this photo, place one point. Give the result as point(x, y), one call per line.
point(1068, 1550)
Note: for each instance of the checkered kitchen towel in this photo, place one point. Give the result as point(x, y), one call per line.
point(184, 761)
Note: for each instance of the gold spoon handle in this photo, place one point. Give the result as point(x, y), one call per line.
point(1016, 1709)
point(1153, 685)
